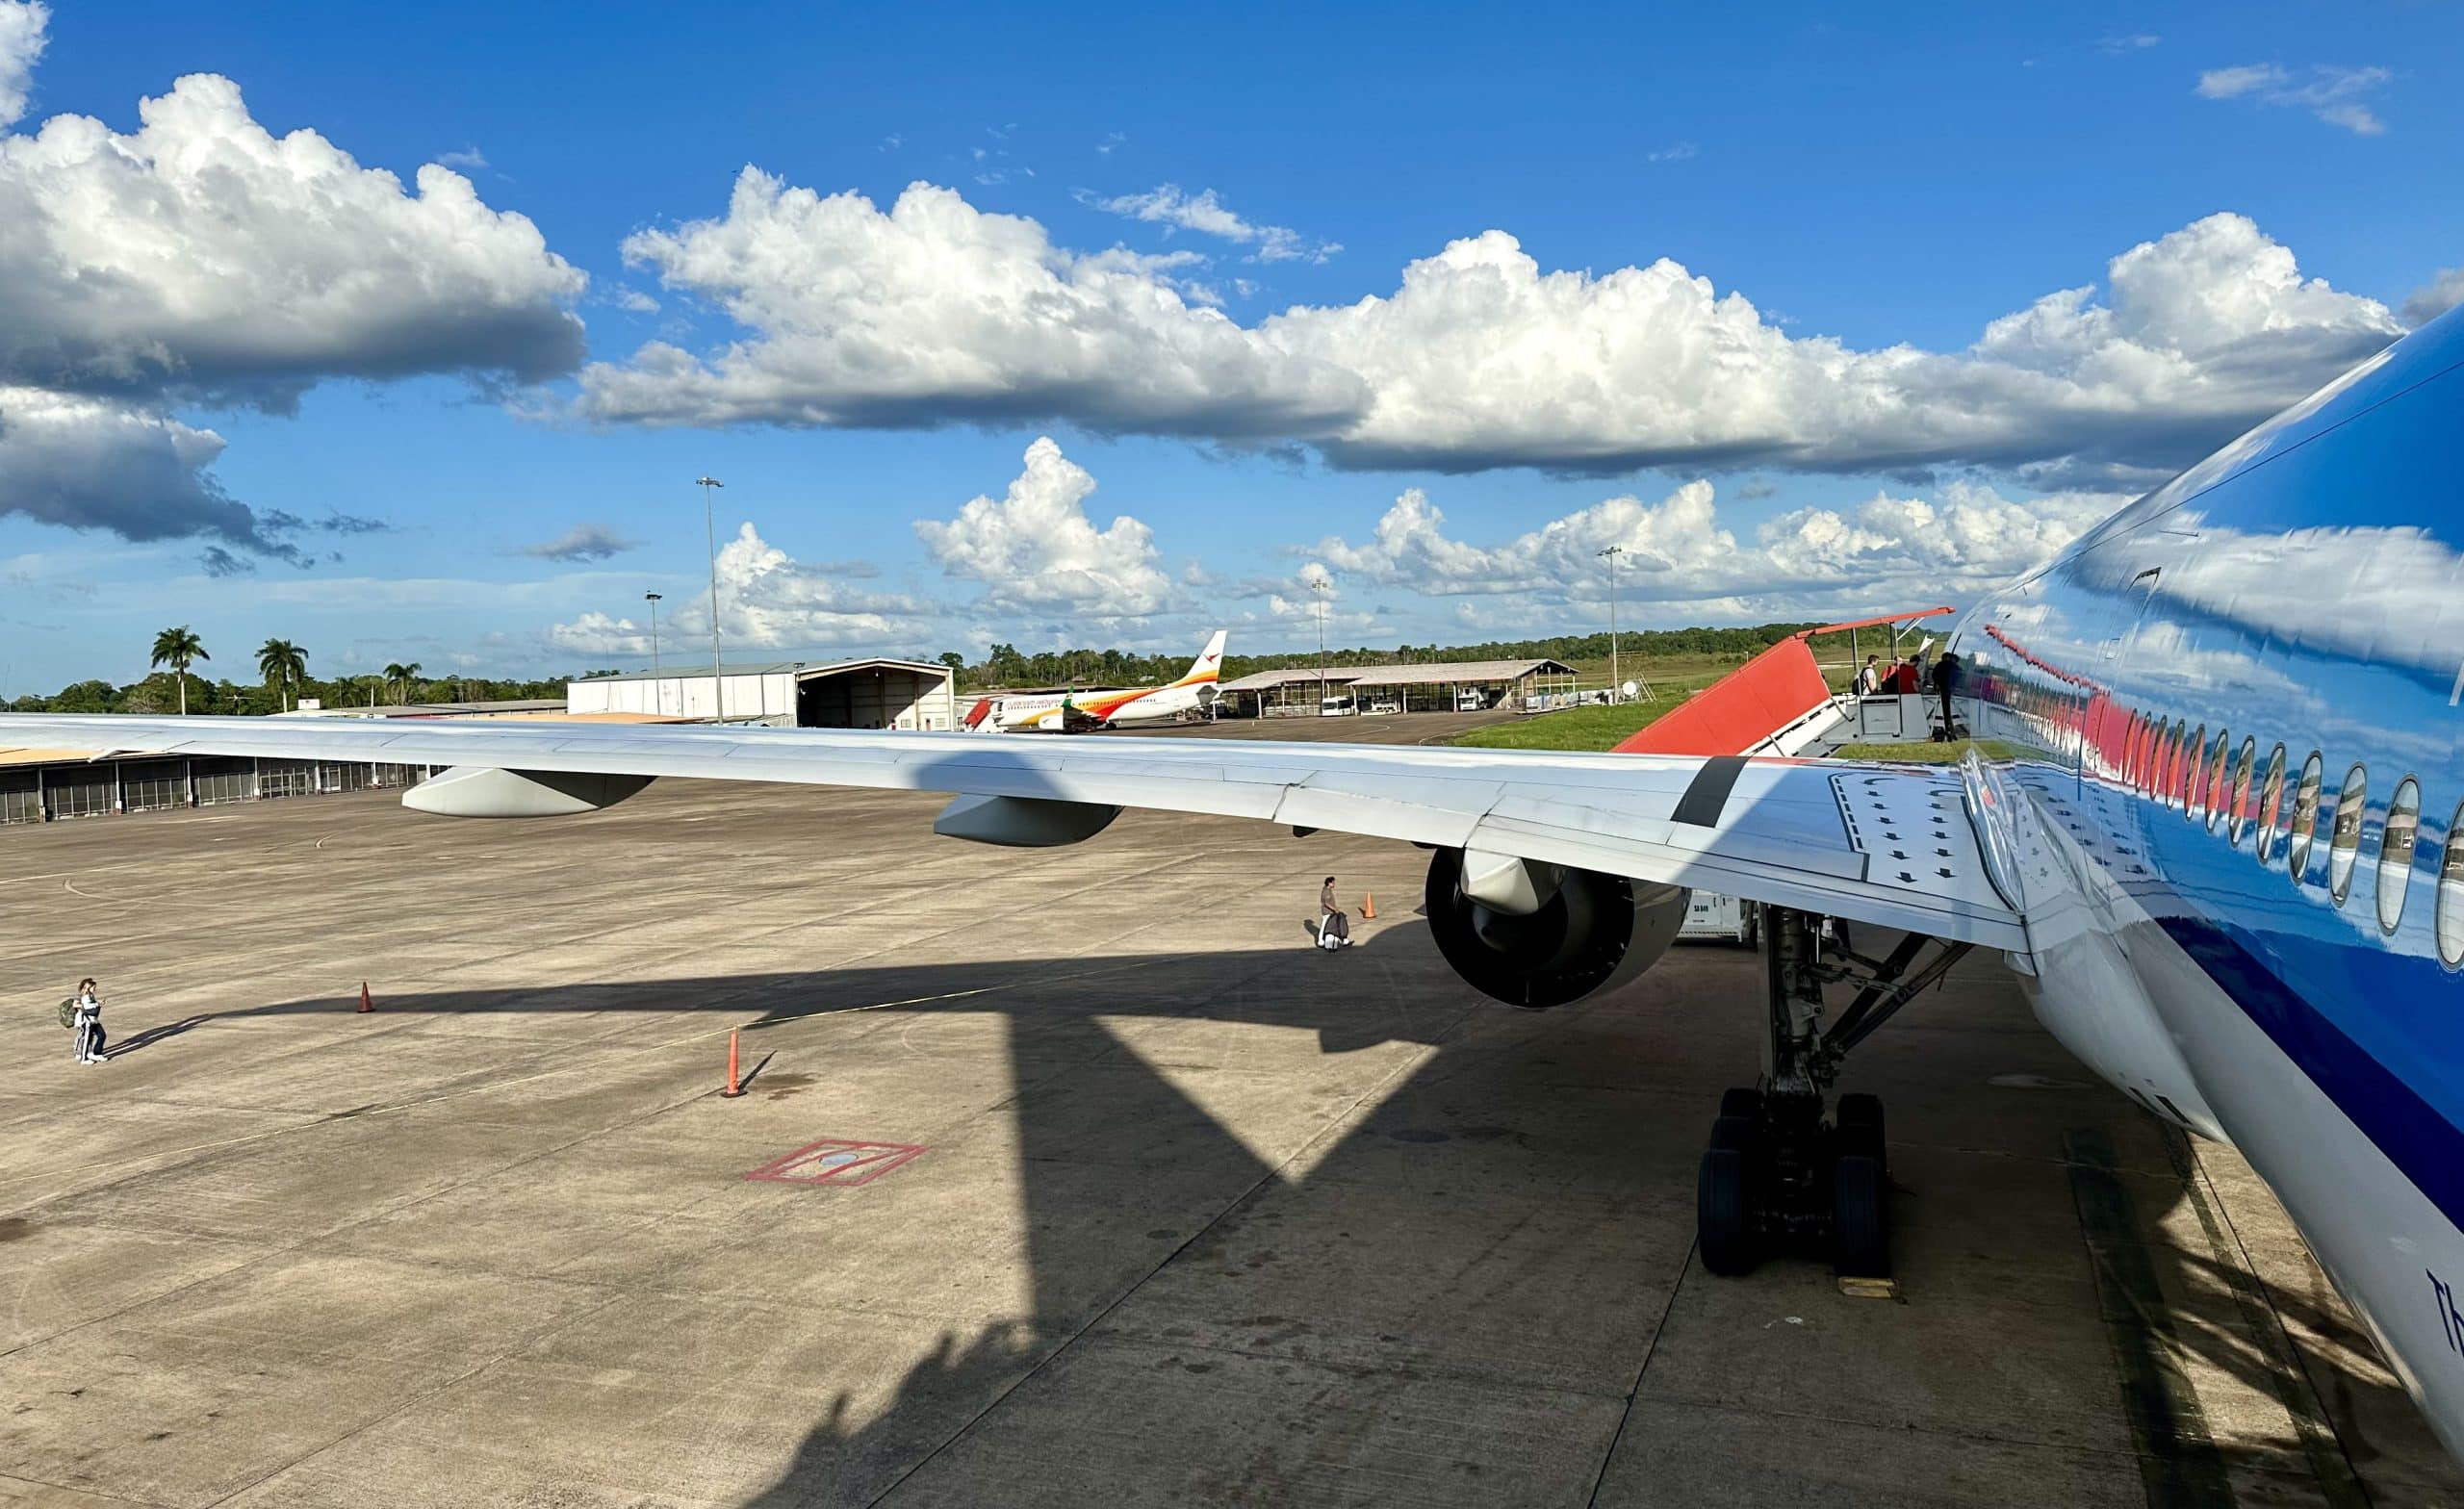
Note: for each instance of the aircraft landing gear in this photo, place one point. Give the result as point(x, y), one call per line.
point(1777, 1176)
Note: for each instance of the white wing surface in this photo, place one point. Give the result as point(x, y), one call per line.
point(1892, 845)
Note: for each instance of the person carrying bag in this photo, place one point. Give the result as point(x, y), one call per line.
point(81, 1013)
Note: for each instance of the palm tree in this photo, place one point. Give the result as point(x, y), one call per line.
point(399, 676)
point(179, 648)
point(284, 665)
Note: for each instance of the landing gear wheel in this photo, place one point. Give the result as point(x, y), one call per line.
point(1724, 1200)
point(1859, 1218)
point(1737, 1101)
point(1858, 1118)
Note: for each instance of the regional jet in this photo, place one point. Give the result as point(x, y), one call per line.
point(2223, 730)
point(1070, 712)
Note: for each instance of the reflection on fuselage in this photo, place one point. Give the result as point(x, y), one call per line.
point(2293, 616)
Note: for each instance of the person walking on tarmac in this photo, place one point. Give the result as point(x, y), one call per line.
point(88, 1007)
point(1334, 929)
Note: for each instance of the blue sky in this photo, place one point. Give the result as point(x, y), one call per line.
point(476, 389)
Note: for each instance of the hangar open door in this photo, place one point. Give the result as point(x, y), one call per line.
point(877, 694)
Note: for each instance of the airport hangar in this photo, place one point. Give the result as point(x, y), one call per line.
point(918, 696)
point(1437, 686)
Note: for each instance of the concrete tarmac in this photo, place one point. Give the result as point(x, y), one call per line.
point(1200, 1215)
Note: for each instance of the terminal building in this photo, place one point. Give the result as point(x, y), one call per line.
point(40, 785)
point(920, 696)
point(1438, 686)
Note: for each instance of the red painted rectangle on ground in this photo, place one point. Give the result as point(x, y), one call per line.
point(836, 1162)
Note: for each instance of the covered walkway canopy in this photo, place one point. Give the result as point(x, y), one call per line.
point(1435, 686)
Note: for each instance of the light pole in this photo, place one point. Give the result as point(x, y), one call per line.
point(658, 698)
point(1616, 681)
point(718, 678)
point(1321, 586)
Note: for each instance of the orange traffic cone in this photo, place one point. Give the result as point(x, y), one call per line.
point(734, 1089)
point(364, 1004)
point(1368, 907)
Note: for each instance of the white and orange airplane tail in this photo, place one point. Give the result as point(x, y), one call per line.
point(1208, 667)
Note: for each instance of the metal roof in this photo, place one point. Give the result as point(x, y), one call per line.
point(1436, 673)
point(688, 672)
point(431, 709)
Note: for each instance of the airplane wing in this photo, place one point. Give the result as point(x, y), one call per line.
point(1898, 846)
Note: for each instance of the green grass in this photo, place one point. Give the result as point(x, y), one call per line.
point(1597, 729)
point(1929, 754)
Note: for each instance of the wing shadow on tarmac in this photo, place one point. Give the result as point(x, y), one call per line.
point(1101, 1389)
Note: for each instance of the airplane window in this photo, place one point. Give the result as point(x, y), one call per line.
point(2211, 783)
point(2305, 817)
point(2395, 851)
point(2193, 799)
point(2173, 762)
point(2238, 803)
point(2344, 844)
point(2450, 896)
point(2270, 804)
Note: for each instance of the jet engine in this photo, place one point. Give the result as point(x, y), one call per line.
point(1539, 936)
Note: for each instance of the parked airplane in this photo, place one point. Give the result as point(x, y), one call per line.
point(2225, 728)
point(1069, 712)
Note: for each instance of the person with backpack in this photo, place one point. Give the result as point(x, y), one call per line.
point(86, 1013)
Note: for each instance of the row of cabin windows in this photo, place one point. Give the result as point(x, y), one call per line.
point(2212, 785)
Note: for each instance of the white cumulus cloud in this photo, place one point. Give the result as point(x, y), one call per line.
point(1676, 551)
point(1036, 551)
point(22, 24)
point(1482, 359)
point(768, 597)
point(595, 633)
point(203, 256)
point(202, 259)
point(768, 600)
point(936, 313)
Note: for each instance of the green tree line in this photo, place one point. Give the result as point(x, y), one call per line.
point(284, 679)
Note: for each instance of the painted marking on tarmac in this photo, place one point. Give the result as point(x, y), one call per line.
point(838, 1162)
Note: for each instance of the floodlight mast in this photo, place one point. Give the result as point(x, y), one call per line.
point(1321, 586)
point(1616, 680)
point(718, 677)
point(658, 702)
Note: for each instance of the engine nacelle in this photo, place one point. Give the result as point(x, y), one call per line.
point(1582, 932)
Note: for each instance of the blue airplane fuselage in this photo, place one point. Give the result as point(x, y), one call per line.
point(2228, 773)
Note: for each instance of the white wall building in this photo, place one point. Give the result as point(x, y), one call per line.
point(915, 695)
